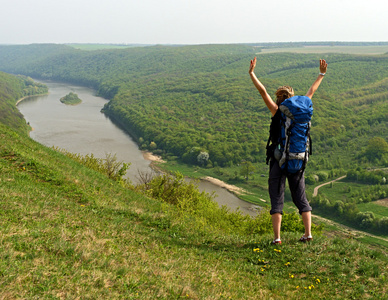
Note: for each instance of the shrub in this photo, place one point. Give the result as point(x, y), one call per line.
point(366, 219)
point(382, 224)
point(323, 176)
point(310, 179)
point(339, 207)
point(109, 166)
point(292, 222)
point(190, 201)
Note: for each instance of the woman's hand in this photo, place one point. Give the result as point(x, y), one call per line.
point(322, 66)
point(252, 66)
point(272, 106)
point(317, 82)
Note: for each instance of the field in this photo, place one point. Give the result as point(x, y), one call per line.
point(369, 50)
point(94, 47)
point(379, 208)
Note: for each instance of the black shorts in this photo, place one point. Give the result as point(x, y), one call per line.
point(276, 186)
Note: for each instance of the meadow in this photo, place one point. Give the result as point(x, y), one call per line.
point(71, 232)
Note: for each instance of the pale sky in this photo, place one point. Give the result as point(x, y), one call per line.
point(191, 21)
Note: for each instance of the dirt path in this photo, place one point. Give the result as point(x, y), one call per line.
point(326, 183)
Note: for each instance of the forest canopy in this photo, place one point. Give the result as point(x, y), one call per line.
point(186, 100)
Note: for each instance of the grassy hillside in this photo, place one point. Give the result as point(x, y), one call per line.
point(70, 232)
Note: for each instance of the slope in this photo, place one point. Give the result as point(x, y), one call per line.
point(70, 232)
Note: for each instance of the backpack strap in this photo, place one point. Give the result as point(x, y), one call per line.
point(288, 125)
point(308, 151)
point(274, 135)
point(310, 140)
point(269, 150)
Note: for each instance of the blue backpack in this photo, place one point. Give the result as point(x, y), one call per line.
point(290, 134)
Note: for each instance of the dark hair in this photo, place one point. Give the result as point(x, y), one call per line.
point(284, 92)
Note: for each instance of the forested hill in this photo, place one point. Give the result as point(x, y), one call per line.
point(185, 100)
point(12, 89)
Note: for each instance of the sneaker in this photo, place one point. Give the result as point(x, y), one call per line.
point(276, 242)
point(305, 239)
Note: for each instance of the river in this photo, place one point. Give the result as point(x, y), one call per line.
point(84, 129)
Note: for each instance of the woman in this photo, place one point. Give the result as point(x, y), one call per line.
point(277, 179)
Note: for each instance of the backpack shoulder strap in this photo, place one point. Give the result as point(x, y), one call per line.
point(274, 134)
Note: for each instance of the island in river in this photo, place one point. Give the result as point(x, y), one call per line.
point(71, 99)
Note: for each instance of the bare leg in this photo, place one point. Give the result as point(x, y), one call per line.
point(306, 217)
point(276, 222)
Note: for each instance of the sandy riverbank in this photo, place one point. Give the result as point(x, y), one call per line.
point(231, 188)
point(31, 96)
point(152, 157)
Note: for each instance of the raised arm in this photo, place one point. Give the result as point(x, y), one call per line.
point(317, 82)
point(272, 106)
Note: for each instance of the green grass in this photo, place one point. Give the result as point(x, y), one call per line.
point(69, 232)
point(339, 190)
point(257, 191)
point(379, 210)
point(373, 241)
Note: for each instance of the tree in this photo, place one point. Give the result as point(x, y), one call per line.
point(153, 146)
point(376, 149)
point(247, 168)
point(202, 158)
